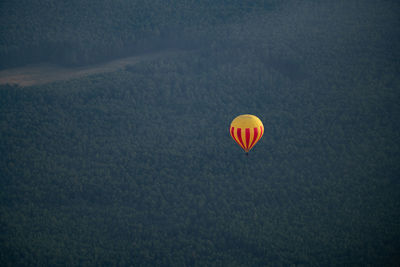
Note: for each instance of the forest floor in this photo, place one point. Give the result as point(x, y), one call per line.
point(42, 73)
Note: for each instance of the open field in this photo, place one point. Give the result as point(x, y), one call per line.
point(43, 73)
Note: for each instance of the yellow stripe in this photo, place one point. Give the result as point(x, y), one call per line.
point(260, 134)
point(237, 137)
point(251, 138)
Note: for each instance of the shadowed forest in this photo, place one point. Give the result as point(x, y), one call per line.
point(136, 167)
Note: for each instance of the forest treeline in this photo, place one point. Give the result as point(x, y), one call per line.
point(137, 167)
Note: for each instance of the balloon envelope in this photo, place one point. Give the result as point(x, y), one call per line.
point(246, 130)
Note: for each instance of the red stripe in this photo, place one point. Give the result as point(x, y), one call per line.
point(254, 137)
point(233, 135)
point(247, 137)
point(239, 134)
point(262, 131)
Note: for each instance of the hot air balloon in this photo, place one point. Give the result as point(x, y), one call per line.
point(246, 130)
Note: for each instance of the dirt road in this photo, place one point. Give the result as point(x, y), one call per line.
point(44, 73)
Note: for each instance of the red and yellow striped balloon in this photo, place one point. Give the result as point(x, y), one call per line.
point(246, 130)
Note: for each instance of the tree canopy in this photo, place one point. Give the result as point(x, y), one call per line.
point(137, 167)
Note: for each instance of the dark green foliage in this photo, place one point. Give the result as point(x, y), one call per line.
point(137, 167)
point(83, 32)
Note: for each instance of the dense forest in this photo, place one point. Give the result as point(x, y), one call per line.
point(137, 167)
point(77, 32)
